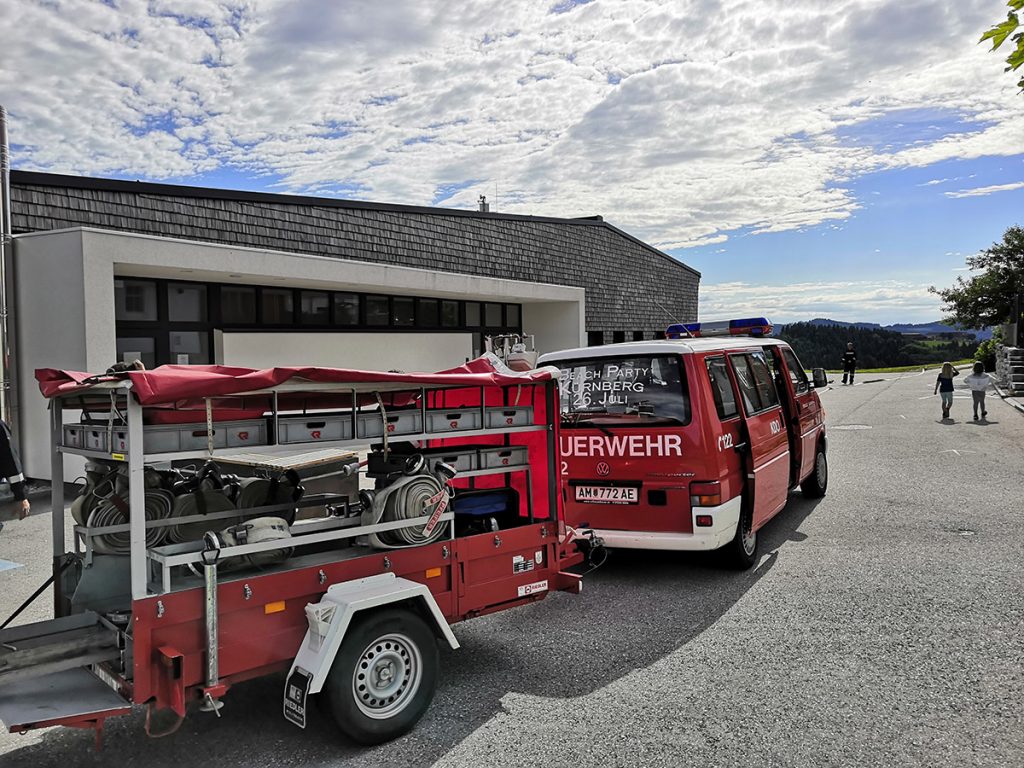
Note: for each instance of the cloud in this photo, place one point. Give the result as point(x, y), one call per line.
point(981, 191)
point(679, 122)
point(886, 301)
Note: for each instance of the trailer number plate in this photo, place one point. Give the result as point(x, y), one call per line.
point(607, 494)
point(296, 690)
point(531, 589)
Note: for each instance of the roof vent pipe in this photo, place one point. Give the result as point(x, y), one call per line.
point(8, 400)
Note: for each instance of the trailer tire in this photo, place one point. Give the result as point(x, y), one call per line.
point(816, 484)
point(384, 675)
point(741, 553)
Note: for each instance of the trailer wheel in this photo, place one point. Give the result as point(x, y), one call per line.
point(741, 552)
point(384, 676)
point(816, 484)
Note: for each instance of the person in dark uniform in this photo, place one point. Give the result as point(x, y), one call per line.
point(10, 468)
point(849, 362)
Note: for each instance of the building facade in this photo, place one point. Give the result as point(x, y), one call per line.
point(107, 270)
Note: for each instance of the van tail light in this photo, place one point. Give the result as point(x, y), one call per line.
point(706, 494)
point(705, 521)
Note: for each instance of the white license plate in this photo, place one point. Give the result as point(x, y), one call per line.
point(607, 494)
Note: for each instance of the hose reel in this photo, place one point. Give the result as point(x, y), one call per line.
point(418, 492)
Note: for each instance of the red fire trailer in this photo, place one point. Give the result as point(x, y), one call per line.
point(187, 576)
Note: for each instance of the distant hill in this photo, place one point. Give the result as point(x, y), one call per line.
point(927, 328)
point(823, 344)
point(840, 323)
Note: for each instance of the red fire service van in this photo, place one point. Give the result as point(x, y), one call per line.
point(689, 443)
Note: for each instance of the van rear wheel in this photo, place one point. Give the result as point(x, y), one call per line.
point(816, 484)
point(741, 553)
point(384, 676)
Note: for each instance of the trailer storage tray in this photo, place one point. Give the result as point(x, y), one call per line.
point(74, 696)
point(307, 463)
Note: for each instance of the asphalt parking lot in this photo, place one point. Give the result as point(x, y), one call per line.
point(882, 626)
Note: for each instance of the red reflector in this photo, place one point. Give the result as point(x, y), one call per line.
point(705, 521)
point(705, 489)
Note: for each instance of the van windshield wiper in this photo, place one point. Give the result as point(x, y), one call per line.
point(575, 418)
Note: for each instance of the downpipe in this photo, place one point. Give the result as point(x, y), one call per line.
point(8, 384)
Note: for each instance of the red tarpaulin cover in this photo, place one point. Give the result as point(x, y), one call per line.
point(176, 383)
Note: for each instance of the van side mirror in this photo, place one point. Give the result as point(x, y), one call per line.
point(819, 378)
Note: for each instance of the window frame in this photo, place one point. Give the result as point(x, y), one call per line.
point(760, 406)
point(160, 328)
point(716, 391)
point(684, 387)
point(802, 385)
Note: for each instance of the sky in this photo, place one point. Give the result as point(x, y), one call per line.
point(810, 159)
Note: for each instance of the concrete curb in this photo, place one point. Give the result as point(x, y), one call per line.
point(1011, 400)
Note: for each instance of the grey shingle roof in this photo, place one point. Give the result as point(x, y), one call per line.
point(625, 279)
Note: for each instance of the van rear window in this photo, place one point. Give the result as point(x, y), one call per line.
point(648, 390)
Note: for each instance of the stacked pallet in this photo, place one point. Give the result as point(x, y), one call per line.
point(1010, 369)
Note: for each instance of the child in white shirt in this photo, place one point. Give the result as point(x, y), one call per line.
point(979, 381)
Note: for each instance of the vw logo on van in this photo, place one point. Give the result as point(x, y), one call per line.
point(603, 470)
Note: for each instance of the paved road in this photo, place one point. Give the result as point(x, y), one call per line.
point(882, 627)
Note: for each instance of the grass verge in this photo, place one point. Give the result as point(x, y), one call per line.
point(904, 368)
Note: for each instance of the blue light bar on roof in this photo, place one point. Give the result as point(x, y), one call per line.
point(757, 327)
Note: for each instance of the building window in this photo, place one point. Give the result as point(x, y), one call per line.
point(346, 309)
point(493, 316)
point(450, 314)
point(135, 300)
point(278, 306)
point(315, 307)
point(428, 313)
point(377, 311)
point(167, 321)
point(595, 338)
point(237, 305)
point(618, 337)
point(186, 303)
point(190, 347)
point(403, 310)
point(638, 335)
point(131, 348)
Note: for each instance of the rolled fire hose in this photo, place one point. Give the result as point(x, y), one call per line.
point(190, 504)
point(158, 506)
point(405, 499)
point(258, 531)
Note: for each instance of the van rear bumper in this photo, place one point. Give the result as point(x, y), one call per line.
point(726, 517)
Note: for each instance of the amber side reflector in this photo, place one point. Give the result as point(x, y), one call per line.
point(275, 607)
point(705, 521)
point(433, 573)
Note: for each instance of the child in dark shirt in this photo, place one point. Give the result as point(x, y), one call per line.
point(944, 387)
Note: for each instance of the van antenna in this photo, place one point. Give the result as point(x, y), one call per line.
point(677, 322)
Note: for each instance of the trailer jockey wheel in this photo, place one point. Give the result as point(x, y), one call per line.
point(384, 676)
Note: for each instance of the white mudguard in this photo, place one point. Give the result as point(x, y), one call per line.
point(329, 619)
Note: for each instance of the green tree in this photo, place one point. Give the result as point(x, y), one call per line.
point(987, 298)
point(1008, 29)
